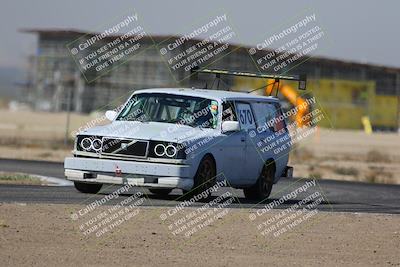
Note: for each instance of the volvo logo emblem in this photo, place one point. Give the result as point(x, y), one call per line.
point(124, 146)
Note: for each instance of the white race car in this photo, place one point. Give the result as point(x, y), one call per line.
point(188, 139)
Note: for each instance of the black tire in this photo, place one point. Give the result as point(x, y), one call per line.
point(263, 187)
point(160, 191)
point(204, 178)
point(87, 188)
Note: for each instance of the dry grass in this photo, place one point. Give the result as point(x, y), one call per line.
point(346, 171)
point(377, 156)
point(19, 178)
point(30, 129)
point(315, 175)
point(302, 154)
point(4, 224)
point(379, 175)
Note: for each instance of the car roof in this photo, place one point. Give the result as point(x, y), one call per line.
point(208, 93)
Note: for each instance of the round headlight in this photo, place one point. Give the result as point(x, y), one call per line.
point(96, 144)
point(159, 150)
point(170, 151)
point(86, 143)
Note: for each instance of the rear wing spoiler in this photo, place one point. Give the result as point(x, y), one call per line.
point(302, 79)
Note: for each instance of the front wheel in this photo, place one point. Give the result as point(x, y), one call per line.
point(204, 178)
point(87, 188)
point(263, 187)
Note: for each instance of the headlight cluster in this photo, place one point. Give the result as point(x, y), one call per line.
point(166, 150)
point(161, 150)
point(152, 149)
point(89, 143)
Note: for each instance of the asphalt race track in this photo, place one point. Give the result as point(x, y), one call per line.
point(339, 196)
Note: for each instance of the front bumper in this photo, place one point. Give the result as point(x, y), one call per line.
point(146, 174)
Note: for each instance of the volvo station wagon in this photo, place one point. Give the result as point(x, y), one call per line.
point(188, 139)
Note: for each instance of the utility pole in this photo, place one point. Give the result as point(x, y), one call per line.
point(69, 99)
point(398, 100)
point(78, 85)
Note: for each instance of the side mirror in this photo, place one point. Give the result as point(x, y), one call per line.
point(230, 126)
point(111, 115)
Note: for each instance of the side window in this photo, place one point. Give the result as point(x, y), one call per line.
point(281, 124)
point(229, 113)
point(267, 116)
point(263, 112)
point(245, 116)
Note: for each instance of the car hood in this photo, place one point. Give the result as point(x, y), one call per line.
point(147, 131)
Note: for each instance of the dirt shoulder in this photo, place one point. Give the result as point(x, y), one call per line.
point(20, 178)
point(349, 155)
point(38, 234)
point(34, 153)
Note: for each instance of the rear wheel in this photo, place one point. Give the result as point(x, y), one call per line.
point(205, 177)
point(87, 188)
point(263, 187)
point(160, 191)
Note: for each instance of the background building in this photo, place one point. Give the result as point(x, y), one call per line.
point(347, 90)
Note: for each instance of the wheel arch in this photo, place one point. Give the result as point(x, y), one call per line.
point(197, 161)
point(213, 158)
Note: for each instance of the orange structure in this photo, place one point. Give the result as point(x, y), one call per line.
point(294, 98)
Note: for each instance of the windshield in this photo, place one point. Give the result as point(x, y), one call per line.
point(159, 107)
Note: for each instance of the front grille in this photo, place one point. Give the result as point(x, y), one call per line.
point(124, 147)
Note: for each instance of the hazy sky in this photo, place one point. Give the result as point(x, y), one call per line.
point(362, 31)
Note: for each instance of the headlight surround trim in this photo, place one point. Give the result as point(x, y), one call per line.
point(88, 144)
point(157, 152)
point(170, 150)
